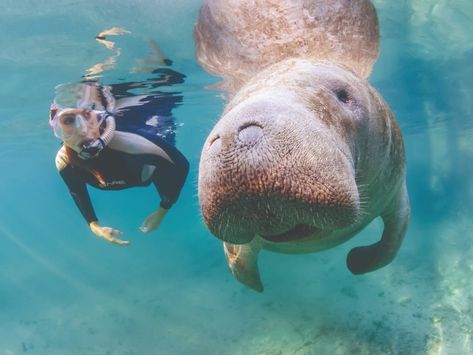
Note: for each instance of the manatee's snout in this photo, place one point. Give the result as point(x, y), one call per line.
point(261, 174)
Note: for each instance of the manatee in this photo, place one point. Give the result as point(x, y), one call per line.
point(304, 156)
point(306, 153)
point(237, 38)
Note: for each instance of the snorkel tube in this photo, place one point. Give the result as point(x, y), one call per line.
point(93, 148)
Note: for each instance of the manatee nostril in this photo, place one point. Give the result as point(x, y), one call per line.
point(214, 139)
point(250, 133)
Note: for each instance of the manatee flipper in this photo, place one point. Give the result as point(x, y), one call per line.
point(243, 263)
point(395, 218)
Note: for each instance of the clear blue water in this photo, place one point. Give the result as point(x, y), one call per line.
point(62, 291)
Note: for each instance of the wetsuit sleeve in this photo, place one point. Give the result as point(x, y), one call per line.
point(169, 178)
point(79, 193)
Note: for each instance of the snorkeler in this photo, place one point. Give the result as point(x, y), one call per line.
point(96, 152)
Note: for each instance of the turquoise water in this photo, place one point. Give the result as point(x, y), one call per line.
point(62, 291)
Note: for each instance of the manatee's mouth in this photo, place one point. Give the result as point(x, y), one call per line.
point(298, 232)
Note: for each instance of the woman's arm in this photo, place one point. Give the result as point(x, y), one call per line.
point(80, 194)
point(169, 178)
point(153, 220)
point(170, 168)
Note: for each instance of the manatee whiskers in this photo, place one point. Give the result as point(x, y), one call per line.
point(270, 217)
point(363, 201)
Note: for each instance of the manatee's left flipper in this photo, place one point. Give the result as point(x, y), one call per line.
point(243, 263)
point(395, 217)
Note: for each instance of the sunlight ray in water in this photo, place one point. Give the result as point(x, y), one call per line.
point(44, 262)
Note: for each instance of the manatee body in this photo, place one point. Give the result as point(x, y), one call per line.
point(237, 38)
point(305, 155)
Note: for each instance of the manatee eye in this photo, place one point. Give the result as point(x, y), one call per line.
point(343, 95)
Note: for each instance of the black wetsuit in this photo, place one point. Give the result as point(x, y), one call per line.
point(129, 160)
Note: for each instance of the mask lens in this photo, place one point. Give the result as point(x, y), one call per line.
point(68, 120)
point(66, 125)
point(72, 122)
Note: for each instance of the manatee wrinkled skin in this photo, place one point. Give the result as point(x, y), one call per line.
point(306, 153)
point(236, 39)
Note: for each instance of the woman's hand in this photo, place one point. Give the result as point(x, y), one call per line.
point(107, 233)
point(153, 220)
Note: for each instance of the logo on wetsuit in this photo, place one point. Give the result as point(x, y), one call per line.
point(114, 183)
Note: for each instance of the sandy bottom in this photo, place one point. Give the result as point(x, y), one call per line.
point(179, 298)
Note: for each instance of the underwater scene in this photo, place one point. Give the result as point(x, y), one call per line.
point(291, 289)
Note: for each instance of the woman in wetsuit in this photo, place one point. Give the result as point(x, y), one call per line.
point(96, 152)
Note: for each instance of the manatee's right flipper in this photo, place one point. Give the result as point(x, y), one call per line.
point(243, 263)
point(395, 217)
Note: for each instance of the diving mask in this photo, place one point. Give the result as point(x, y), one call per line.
point(76, 122)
